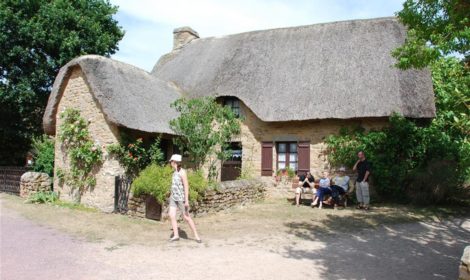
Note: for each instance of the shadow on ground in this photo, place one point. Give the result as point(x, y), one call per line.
point(378, 246)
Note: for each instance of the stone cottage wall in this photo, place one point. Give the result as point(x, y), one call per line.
point(229, 194)
point(77, 94)
point(254, 132)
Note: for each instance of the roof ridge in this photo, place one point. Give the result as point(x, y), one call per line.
point(391, 18)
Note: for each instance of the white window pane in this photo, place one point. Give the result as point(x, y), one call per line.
point(293, 165)
point(282, 157)
point(293, 148)
point(281, 165)
point(293, 157)
point(282, 148)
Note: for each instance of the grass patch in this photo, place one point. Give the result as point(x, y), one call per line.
point(74, 206)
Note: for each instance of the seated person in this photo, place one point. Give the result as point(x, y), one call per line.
point(306, 183)
point(322, 190)
point(340, 185)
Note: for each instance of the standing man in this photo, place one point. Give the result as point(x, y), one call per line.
point(362, 185)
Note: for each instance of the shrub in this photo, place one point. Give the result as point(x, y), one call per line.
point(43, 152)
point(437, 183)
point(197, 185)
point(155, 180)
point(402, 153)
point(43, 197)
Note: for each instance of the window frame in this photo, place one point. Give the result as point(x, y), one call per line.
point(230, 102)
point(288, 152)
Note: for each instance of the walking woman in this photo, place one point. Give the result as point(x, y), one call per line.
point(180, 198)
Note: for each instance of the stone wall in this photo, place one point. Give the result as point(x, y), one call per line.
point(32, 182)
point(77, 94)
point(230, 194)
point(464, 270)
point(227, 195)
point(254, 131)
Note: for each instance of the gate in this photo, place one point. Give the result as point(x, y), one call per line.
point(122, 187)
point(10, 178)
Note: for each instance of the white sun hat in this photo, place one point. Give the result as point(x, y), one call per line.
point(342, 168)
point(176, 157)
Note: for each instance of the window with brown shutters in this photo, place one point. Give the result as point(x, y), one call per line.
point(266, 159)
point(303, 151)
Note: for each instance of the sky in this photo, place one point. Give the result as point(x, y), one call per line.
point(149, 24)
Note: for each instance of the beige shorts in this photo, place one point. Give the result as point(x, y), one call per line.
point(299, 190)
point(177, 204)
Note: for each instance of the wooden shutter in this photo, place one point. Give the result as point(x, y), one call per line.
point(303, 150)
point(266, 159)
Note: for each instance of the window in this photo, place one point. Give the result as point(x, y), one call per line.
point(234, 104)
point(235, 149)
point(287, 155)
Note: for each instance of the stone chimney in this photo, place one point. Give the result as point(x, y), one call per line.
point(182, 36)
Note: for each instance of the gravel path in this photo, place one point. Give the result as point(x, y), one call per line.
point(403, 251)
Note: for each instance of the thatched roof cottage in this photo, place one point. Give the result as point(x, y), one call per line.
point(294, 86)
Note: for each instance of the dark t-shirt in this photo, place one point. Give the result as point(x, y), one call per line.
point(310, 179)
point(362, 167)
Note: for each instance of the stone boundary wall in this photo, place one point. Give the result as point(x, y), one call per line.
point(464, 269)
point(227, 195)
point(33, 182)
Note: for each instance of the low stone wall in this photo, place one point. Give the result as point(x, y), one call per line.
point(464, 270)
point(230, 194)
point(227, 195)
point(136, 206)
point(32, 182)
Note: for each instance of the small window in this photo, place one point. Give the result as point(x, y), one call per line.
point(234, 104)
point(235, 149)
point(287, 156)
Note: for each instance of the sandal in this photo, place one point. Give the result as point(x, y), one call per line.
point(198, 240)
point(173, 239)
point(359, 207)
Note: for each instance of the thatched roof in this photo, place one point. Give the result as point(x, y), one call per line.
point(128, 96)
point(335, 70)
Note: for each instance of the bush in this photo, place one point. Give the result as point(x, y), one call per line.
point(43, 154)
point(437, 183)
point(197, 185)
point(402, 153)
point(155, 180)
point(43, 197)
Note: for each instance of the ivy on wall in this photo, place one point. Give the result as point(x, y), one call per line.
point(84, 156)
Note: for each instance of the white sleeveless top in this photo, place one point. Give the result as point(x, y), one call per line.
point(177, 188)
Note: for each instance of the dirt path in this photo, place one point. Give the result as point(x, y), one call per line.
point(294, 249)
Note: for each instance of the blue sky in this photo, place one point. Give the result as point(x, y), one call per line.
point(149, 24)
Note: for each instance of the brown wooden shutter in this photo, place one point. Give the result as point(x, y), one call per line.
point(303, 150)
point(266, 159)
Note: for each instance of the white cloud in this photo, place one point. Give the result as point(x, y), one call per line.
point(149, 23)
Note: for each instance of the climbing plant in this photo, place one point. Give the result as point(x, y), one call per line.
point(134, 155)
point(84, 156)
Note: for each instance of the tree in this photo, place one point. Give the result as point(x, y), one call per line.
point(436, 28)
point(439, 38)
point(37, 37)
point(206, 129)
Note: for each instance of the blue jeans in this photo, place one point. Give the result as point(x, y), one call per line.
point(336, 191)
point(321, 191)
